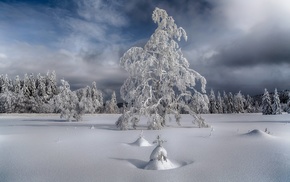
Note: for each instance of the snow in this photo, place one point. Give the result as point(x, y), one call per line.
point(41, 147)
point(141, 142)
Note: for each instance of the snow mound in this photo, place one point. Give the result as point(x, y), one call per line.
point(161, 165)
point(159, 160)
point(141, 142)
point(158, 153)
point(257, 133)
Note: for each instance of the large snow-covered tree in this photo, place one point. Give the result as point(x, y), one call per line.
point(276, 106)
point(266, 103)
point(160, 81)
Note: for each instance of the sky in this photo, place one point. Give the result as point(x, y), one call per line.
point(241, 45)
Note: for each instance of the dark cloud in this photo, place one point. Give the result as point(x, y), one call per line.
point(258, 47)
point(236, 45)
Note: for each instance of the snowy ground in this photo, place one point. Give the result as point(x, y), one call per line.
point(44, 148)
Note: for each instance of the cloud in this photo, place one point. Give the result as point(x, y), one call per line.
point(83, 46)
point(231, 43)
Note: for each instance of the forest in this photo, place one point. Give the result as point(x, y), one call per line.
point(43, 94)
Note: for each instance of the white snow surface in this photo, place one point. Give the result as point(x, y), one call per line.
point(40, 147)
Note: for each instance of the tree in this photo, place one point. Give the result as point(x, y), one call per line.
point(225, 102)
point(212, 102)
point(97, 98)
point(111, 106)
point(276, 107)
point(199, 103)
point(160, 81)
point(266, 103)
point(219, 103)
point(230, 103)
point(249, 104)
point(67, 102)
point(288, 103)
point(239, 102)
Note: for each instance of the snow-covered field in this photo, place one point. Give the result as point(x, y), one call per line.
point(35, 147)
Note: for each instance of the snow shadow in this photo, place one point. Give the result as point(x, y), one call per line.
point(64, 123)
point(257, 134)
point(135, 162)
point(142, 164)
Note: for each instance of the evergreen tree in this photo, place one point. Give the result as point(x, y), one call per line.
point(212, 102)
point(276, 107)
point(68, 103)
point(219, 103)
point(231, 108)
point(266, 103)
point(111, 106)
point(199, 103)
point(97, 98)
point(239, 102)
point(248, 107)
point(288, 103)
point(225, 102)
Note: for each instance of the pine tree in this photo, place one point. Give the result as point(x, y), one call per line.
point(212, 102)
point(67, 102)
point(225, 102)
point(111, 106)
point(231, 108)
point(239, 102)
point(17, 85)
point(160, 81)
point(248, 107)
point(97, 98)
point(266, 103)
point(276, 107)
point(288, 103)
point(219, 103)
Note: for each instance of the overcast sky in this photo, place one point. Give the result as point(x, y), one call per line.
point(236, 45)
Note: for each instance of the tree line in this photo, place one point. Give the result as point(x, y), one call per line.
point(227, 103)
point(41, 94)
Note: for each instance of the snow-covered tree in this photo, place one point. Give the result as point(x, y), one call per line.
point(266, 103)
point(25, 87)
point(17, 85)
point(212, 102)
point(231, 108)
point(199, 103)
point(288, 104)
point(219, 103)
point(111, 106)
point(248, 106)
point(276, 106)
point(67, 102)
point(225, 102)
point(40, 86)
point(51, 83)
point(239, 102)
point(97, 98)
point(160, 80)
